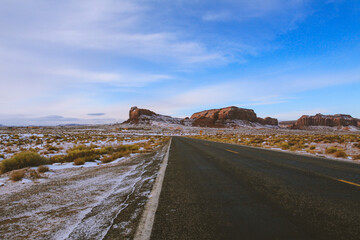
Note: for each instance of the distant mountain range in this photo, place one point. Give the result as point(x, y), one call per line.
point(239, 117)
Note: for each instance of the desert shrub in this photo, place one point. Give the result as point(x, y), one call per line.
point(57, 159)
point(284, 146)
point(73, 154)
point(33, 174)
point(113, 157)
point(52, 148)
point(79, 161)
point(2, 156)
point(106, 150)
point(21, 160)
point(357, 145)
point(42, 169)
point(295, 148)
point(331, 150)
point(17, 175)
point(356, 157)
point(89, 153)
point(312, 147)
point(340, 153)
point(124, 148)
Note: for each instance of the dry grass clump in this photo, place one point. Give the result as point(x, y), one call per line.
point(17, 175)
point(82, 153)
point(2, 156)
point(21, 160)
point(79, 161)
point(285, 146)
point(340, 154)
point(331, 150)
point(52, 148)
point(113, 157)
point(33, 174)
point(356, 157)
point(120, 151)
point(42, 169)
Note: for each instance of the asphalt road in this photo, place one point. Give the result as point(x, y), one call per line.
point(223, 191)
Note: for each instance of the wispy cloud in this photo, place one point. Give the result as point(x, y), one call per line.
point(72, 58)
point(124, 79)
point(51, 120)
point(96, 114)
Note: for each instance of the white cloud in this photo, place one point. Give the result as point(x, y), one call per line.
point(64, 57)
point(113, 26)
point(51, 120)
point(116, 79)
point(253, 92)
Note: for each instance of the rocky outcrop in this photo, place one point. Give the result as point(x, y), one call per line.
point(229, 115)
point(145, 116)
point(137, 115)
point(336, 120)
point(268, 121)
point(223, 117)
point(287, 124)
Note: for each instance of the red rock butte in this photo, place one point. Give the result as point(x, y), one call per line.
point(219, 117)
point(327, 120)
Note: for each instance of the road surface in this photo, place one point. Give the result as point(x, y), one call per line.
point(223, 191)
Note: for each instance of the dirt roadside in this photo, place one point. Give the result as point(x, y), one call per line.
point(102, 202)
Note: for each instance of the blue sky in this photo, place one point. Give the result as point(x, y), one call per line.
point(89, 61)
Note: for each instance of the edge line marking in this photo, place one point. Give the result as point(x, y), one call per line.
point(143, 231)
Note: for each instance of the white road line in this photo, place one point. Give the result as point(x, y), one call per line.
point(144, 229)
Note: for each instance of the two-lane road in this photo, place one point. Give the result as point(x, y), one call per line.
point(223, 191)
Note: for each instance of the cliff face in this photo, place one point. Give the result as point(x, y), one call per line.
point(145, 116)
point(268, 121)
point(222, 116)
point(136, 115)
point(327, 120)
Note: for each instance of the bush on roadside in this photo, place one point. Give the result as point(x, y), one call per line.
point(312, 147)
point(17, 175)
point(42, 169)
point(79, 161)
point(285, 146)
point(331, 150)
point(33, 174)
point(113, 157)
point(22, 160)
point(340, 153)
point(52, 148)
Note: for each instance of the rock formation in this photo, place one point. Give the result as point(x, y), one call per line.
point(145, 116)
point(223, 117)
point(268, 121)
point(287, 124)
point(229, 115)
point(327, 120)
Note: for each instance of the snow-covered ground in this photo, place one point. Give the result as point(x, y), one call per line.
point(86, 203)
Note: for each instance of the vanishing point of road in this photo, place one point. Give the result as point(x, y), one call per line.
point(224, 191)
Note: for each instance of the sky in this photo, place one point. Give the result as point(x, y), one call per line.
point(89, 61)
